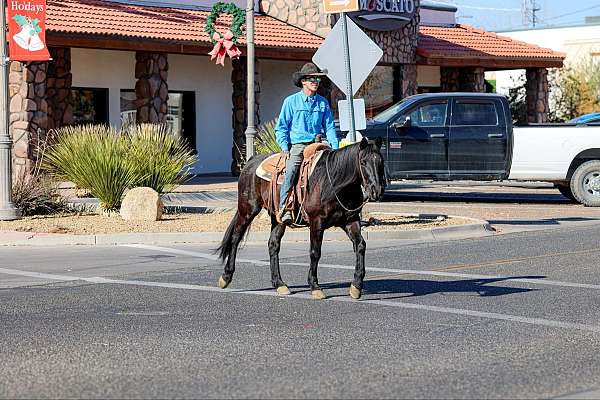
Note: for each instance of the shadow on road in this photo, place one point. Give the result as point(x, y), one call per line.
point(404, 288)
point(477, 197)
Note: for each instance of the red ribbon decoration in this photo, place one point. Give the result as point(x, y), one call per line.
point(224, 46)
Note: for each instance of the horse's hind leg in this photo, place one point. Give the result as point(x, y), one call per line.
point(235, 233)
point(277, 231)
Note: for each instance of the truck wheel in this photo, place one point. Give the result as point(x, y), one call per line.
point(565, 190)
point(585, 183)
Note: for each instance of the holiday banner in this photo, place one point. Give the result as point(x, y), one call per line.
point(27, 30)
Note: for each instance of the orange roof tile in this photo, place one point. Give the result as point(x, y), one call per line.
point(104, 17)
point(466, 42)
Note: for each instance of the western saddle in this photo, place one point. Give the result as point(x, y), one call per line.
point(272, 170)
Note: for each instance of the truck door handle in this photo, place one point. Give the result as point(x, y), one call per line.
point(493, 135)
point(437, 135)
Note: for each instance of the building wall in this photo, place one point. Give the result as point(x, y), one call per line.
point(276, 85)
point(115, 70)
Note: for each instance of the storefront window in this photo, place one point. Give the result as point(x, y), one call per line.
point(90, 106)
point(180, 117)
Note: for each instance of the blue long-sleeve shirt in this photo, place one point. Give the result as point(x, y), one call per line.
point(302, 118)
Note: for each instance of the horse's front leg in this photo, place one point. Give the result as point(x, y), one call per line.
point(316, 241)
point(277, 231)
point(360, 247)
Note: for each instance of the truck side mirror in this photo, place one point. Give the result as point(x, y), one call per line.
point(402, 124)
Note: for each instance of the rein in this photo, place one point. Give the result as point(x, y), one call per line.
point(362, 177)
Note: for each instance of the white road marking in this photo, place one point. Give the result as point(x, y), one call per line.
point(303, 296)
point(505, 278)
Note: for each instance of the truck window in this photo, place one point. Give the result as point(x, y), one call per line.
point(431, 114)
point(475, 113)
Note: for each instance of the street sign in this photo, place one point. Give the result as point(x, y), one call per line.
point(340, 6)
point(360, 119)
point(364, 56)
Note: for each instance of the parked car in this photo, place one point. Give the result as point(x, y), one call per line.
point(592, 118)
point(451, 136)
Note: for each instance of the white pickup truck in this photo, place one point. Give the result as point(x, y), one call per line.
point(458, 136)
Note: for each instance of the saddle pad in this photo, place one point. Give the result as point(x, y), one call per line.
point(270, 164)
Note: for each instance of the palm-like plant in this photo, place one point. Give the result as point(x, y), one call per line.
point(93, 157)
point(160, 159)
point(266, 142)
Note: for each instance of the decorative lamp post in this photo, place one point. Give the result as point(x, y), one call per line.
point(7, 209)
point(250, 128)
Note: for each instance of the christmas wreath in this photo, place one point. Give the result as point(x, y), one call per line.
point(225, 44)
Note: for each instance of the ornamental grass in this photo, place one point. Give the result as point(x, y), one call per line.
point(161, 160)
point(266, 141)
point(108, 162)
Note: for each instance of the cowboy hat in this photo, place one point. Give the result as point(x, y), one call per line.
point(308, 69)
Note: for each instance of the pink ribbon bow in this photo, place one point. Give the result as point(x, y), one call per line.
point(224, 46)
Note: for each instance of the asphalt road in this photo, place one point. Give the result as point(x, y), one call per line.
point(508, 316)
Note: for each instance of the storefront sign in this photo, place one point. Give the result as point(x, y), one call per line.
point(339, 6)
point(384, 15)
point(27, 30)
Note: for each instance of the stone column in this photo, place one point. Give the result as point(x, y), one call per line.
point(536, 95)
point(28, 112)
point(405, 81)
point(151, 89)
point(239, 115)
point(449, 79)
point(462, 79)
point(472, 80)
point(58, 93)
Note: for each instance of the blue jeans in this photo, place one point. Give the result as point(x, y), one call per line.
point(291, 169)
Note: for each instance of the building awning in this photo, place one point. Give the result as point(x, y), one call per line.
point(463, 45)
point(108, 24)
point(120, 26)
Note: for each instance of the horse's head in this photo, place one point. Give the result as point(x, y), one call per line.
point(371, 167)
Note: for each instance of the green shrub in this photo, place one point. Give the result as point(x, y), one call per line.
point(161, 161)
point(93, 157)
point(108, 162)
point(266, 142)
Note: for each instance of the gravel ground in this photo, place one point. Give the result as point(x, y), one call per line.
point(216, 222)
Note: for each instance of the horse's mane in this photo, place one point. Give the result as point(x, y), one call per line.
point(342, 165)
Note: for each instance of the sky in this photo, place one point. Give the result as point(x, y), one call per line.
point(498, 15)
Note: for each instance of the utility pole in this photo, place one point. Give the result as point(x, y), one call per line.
point(250, 128)
point(8, 211)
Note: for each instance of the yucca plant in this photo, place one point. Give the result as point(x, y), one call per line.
point(266, 142)
point(160, 159)
point(93, 157)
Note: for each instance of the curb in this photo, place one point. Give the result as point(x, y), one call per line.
point(478, 228)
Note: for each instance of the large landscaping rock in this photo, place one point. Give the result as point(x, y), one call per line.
point(142, 204)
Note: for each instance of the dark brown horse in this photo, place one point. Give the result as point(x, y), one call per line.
point(342, 181)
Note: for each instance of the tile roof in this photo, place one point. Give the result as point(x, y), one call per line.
point(466, 42)
point(103, 17)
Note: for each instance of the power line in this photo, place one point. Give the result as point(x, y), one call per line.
point(571, 13)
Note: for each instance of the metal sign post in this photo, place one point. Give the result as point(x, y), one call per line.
point(349, 91)
point(7, 209)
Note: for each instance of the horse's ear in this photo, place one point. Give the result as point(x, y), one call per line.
point(364, 143)
point(378, 143)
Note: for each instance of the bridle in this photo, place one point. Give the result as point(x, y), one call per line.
point(362, 182)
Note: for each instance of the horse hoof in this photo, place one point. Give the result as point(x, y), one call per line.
point(354, 292)
point(318, 295)
point(222, 283)
point(283, 291)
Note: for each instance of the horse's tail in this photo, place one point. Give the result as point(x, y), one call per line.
point(227, 243)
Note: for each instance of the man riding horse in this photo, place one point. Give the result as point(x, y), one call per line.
point(304, 115)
